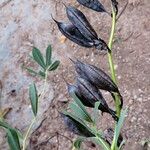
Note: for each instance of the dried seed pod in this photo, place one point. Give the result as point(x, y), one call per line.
point(93, 4)
point(78, 19)
point(108, 136)
point(75, 126)
point(72, 33)
point(73, 89)
point(95, 76)
point(80, 31)
point(89, 94)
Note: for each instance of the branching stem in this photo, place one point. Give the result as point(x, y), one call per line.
point(35, 117)
point(111, 63)
point(113, 73)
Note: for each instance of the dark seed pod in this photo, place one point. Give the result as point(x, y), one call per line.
point(73, 89)
point(95, 76)
point(75, 126)
point(108, 136)
point(93, 4)
point(73, 34)
point(78, 19)
point(89, 94)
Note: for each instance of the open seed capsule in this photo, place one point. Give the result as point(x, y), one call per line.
point(72, 33)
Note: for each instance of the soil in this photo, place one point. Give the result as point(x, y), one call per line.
point(25, 24)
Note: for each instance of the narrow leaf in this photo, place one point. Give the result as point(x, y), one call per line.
point(31, 71)
point(42, 74)
point(79, 112)
point(7, 126)
point(119, 125)
point(54, 65)
point(79, 103)
point(48, 55)
point(38, 57)
point(95, 111)
point(33, 98)
point(80, 126)
point(13, 140)
point(101, 142)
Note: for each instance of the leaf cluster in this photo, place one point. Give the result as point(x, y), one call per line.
point(46, 63)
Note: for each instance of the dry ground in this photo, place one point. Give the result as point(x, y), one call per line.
point(24, 24)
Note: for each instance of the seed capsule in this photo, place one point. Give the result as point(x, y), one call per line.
point(93, 4)
point(75, 126)
point(89, 94)
point(95, 76)
point(73, 89)
point(78, 19)
point(80, 31)
point(72, 33)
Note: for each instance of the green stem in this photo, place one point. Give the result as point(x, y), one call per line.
point(113, 73)
point(102, 142)
point(27, 133)
point(111, 63)
point(34, 119)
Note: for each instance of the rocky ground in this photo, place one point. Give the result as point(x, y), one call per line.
point(24, 24)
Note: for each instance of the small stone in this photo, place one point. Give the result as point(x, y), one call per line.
point(133, 119)
point(139, 99)
point(130, 101)
point(135, 97)
point(119, 77)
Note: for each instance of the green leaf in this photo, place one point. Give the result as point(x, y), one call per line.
point(38, 57)
point(79, 121)
point(119, 125)
point(77, 143)
point(33, 98)
point(42, 74)
point(79, 112)
point(48, 55)
point(79, 103)
point(101, 142)
point(7, 126)
point(95, 111)
point(31, 71)
point(54, 65)
point(13, 140)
